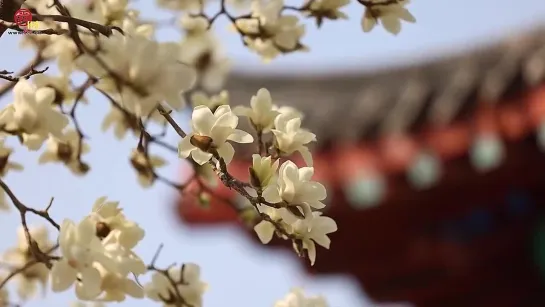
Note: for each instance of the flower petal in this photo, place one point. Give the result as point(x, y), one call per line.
point(240, 136)
point(227, 152)
point(203, 120)
point(185, 147)
point(264, 231)
point(62, 276)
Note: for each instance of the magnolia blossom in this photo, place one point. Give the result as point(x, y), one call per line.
point(211, 102)
point(268, 32)
point(187, 281)
point(314, 230)
point(110, 221)
point(297, 298)
point(20, 255)
point(261, 114)
point(211, 131)
point(327, 9)
point(62, 47)
point(32, 114)
point(112, 9)
point(80, 248)
point(389, 15)
point(201, 49)
point(288, 111)
point(133, 26)
point(65, 150)
point(295, 188)
point(289, 137)
point(145, 166)
point(137, 83)
point(263, 170)
point(64, 93)
point(121, 122)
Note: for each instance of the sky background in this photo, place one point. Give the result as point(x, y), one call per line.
point(239, 272)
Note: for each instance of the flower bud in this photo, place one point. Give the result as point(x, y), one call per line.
point(254, 179)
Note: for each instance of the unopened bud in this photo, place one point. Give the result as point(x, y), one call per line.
point(204, 200)
point(202, 142)
point(249, 216)
point(254, 179)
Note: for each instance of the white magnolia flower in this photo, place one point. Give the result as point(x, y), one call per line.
point(144, 83)
point(112, 9)
point(211, 102)
point(65, 150)
point(80, 249)
point(132, 25)
point(201, 49)
point(211, 131)
point(145, 166)
point(121, 122)
point(295, 188)
point(64, 94)
point(261, 114)
point(18, 256)
point(194, 25)
point(32, 114)
point(329, 9)
point(389, 15)
point(268, 32)
point(264, 169)
point(314, 230)
point(110, 221)
point(290, 137)
point(115, 287)
point(296, 298)
point(188, 284)
point(291, 112)
point(64, 50)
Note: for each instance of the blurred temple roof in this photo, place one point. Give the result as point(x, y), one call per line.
point(350, 106)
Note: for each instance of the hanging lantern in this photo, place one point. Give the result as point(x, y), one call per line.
point(425, 170)
point(360, 176)
point(365, 190)
point(487, 151)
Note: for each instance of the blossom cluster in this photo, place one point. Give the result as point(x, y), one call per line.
point(144, 81)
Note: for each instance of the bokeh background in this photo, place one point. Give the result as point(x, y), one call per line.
point(239, 273)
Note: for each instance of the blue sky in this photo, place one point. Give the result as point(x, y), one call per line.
point(239, 272)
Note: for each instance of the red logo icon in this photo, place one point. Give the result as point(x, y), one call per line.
point(21, 18)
